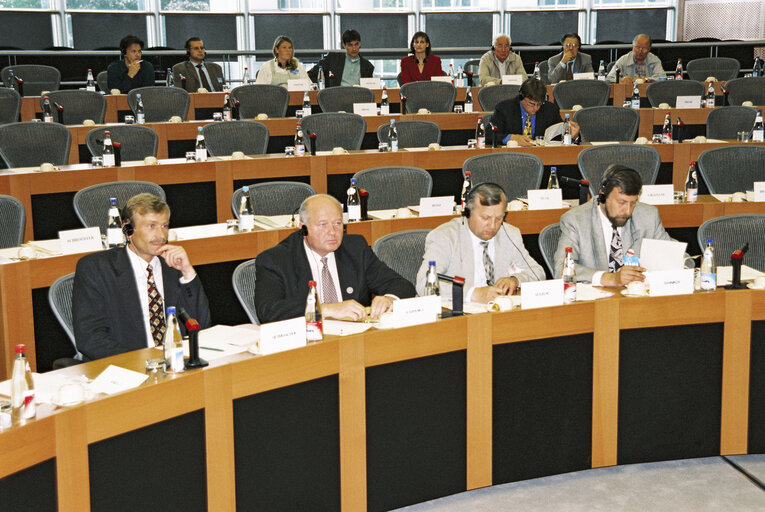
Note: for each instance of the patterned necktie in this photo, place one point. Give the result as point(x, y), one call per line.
point(527, 126)
point(203, 78)
point(328, 292)
point(615, 255)
point(570, 70)
point(156, 309)
point(488, 265)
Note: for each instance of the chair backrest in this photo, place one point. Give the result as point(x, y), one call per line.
point(746, 89)
point(731, 232)
point(161, 103)
point(726, 122)
point(488, 97)
point(274, 197)
point(402, 251)
point(37, 78)
point(544, 72)
point(668, 91)
point(587, 93)
point(342, 98)
point(472, 65)
point(30, 144)
point(10, 106)
point(722, 68)
point(249, 137)
point(412, 134)
point(516, 173)
point(137, 141)
point(594, 161)
point(261, 99)
point(60, 300)
point(102, 79)
point(732, 168)
point(394, 186)
point(91, 204)
point(243, 280)
point(607, 123)
point(548, 244)
point(335, 129)
point(434, 96)
point(79, 105)
point(13, 222)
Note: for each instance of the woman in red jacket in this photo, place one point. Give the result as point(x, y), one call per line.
point(421, 65)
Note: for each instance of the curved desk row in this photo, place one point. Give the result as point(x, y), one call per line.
point(385, 419)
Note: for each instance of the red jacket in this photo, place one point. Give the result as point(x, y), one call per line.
point(411, 73)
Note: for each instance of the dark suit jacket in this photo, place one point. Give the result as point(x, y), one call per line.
point(188, 69)
point(283, 272)
point(507, 118)
point(117, 76)
point(106, 309)
point(335, 61)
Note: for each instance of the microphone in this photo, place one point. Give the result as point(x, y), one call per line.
point(331, 77)
point(190, 323)
point(565, 180)
point(292, 220)
point(193, 328)
point(403, 104)
point(736, 260)
point(183, 82)
point(458, 284)
point(59, 112)
point(493, 134)
point(314, 139)
point(236, 110)
point(118, 154)
point(470, 78)
point(20, 83)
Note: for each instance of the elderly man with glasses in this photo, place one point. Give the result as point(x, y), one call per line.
point(639, 63)
point(563, 65)
point(499, 61)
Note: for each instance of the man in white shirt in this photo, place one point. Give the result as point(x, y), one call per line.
point(639, 63)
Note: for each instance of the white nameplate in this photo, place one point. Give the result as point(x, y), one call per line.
point(657, 194)
point(669, 282)
point(365, 109)
point(433, 206)
point(584, 76)
point(688, 102)
point(298, 84)
point(512, 79)
point(545, 199)
point(759, 190)
point(416, 311)
point(445, 78)
point(80, 240)
point(371, 83)
point(541, 294)
point(284, 335)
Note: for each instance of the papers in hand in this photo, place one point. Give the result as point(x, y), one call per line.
point(662, 254)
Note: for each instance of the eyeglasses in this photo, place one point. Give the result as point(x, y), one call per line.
point(533, 104)
point(571, 45)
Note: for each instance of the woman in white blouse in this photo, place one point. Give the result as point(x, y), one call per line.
point(283, 67)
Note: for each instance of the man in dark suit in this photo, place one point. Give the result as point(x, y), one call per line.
point(119, 295)
point(528, 116)
point(198, 73)
point(348, 274)
point(347, 67)
point(563, 65)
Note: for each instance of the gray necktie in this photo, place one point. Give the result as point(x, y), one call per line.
point(488, 265)
point(328, 292)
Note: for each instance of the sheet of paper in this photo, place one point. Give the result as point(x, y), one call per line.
point(553, 131)
point(274, 222)
point(116, 379)
point(585, 291)
point(204, 231)
point(46, 386)
point(240, 336)
point(604, 142)
point(383, 214)
point(342, 328)
point(725, 274)
point(661, 254)
point(723, 198)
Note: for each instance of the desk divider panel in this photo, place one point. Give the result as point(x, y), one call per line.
point(757, 389)
point(30, 490)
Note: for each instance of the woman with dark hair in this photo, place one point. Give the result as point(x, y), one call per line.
point(420, 65)
point(283, 67)
point(131, 71)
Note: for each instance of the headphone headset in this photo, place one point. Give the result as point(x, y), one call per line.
point(304, 230)
point(606, 181)
point(466, 210)
point(127, 225)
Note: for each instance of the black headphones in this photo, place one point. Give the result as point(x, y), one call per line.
point(466, 209)
point(304, 230)
point(608, 178)
point(127, 226)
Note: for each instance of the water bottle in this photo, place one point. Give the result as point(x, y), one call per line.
point(169, 80)
point(246, 212)
point(384, 103)
point(299, 141)
point(569, 277)
point(321, 81)
point(467, 185)
point(451, 73)
point(173, 343)
point(353, 202)
point(566, 131)
point(114, 235)
point(635, 97)
point(246, 77)
point(468, 101)
point(107, 151)
point(140, 118)
point(553, 181)
point(22, 387)
point(758, 130)
point(431, 283)
point(666, 130)
point(602, 71)
point(47, 110)
point(691, 184)
point(306, 104)
point(459, 81)
point(480, 134)
point(393, 135)
point(710, 96)
point(201, 147)
point(679, 70)
point(537, 73)
point(90, 82)
point(709, 267)
point(313, 324)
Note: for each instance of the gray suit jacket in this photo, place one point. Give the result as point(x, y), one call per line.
point(581, 229)
point(449, 245)
point(556, 72)
point(187, 69)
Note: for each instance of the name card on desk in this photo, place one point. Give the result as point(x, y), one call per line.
point(416, 311)
point(688, 102)
point(759, 190)
point(80, 240)
point(584, 76)
point(657, 194)
point(669, 282)
point(541, 294)
point(280, 336)
point(446, 79)
point(512, 79)
point(370, 83)
point(545, 199)
point(299, 84)
point(365, 109)
point(433, 206)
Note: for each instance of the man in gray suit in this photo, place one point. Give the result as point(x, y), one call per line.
point(603, 229)
point(197, 72)
point(482, 248)
point(563, 65)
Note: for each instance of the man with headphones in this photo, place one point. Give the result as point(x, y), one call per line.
point(120, 295)
point(198, 72)
point(498, 61)
point(348, 274)
point(528, 116)
point(131, 71)
point(602, 230)
point(563, 65)
point(482, 248)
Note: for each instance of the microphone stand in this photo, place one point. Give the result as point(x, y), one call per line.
point(59, 112)
point(736, 259)
point(458, 284)
point(193, 327)
point(312, 136)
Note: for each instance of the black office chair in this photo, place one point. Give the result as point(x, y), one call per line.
point(243, 281)
point(30, 144)
point(79, 105)
point(14, 219)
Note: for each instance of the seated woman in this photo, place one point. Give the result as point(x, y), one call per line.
point(131, 71)
point(421, 65)
point(283, 67)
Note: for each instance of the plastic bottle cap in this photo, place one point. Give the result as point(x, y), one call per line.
point(569, 249)
point(170, 310)
point(311, 284)
point(710, 241)
point(432, 263)
point(20, 348)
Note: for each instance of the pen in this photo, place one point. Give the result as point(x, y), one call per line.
point(213, 349)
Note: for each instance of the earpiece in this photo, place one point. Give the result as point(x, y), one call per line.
point(304, 230)
point(127, 229)
point(608, 178)
point(469, 198)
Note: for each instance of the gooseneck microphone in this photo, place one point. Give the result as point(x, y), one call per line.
point(193, 328)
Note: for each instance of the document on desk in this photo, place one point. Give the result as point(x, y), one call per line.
point(725, 274)
point(116, 379)
point(274, 221)
point(342, 328)
point(661, 254)
point(220, 341)
point(46, 386)
point(204, 231)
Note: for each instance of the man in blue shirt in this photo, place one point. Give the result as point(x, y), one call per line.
point(349, 67)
